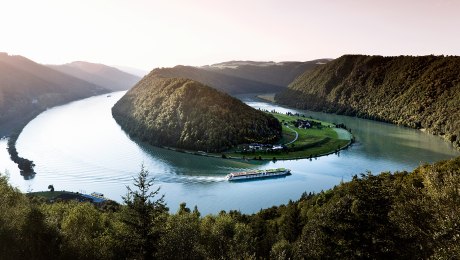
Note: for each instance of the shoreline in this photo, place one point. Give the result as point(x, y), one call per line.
point(270, 98)
point(25, 165)
point(13, 131)
point(219, 156)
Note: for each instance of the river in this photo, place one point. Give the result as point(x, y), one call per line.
point(80, 147)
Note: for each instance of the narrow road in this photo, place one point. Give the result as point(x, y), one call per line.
point(296, 135)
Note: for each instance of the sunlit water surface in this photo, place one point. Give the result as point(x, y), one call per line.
point(80, 147)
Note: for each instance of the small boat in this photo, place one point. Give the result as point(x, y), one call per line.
point(257, 174)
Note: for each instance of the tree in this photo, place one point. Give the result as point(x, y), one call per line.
point(87, 233)
point(281, 250)
point(181, 237)
point(51, 187)
point(217, 236)
point(290, 226)
point(142, 216)
point(13, 210)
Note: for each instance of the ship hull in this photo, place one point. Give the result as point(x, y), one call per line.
point(258, 176)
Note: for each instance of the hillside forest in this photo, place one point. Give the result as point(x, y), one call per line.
point(419, 92)
point(186, 114)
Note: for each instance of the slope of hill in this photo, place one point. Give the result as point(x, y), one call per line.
point(228, 84)
point(99, 74)
point(419, 92)
point(273, 73)
point(27, 88)
point(186, 114)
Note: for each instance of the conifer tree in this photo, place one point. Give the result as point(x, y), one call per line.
point(142, 216)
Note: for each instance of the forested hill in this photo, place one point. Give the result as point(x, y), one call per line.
point(99, 74)
point(273, 73)
point(228, 84)
point(186, 114)
point(419, 92)
point(27, 88)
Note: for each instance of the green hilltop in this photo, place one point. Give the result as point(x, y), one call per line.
point(186, 114)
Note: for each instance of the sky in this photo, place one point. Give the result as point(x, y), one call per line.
point(146, 34)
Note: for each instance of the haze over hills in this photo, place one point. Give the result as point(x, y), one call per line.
point(419, 92)
point(241, 77)
point(108, 77)
point(273, 73)
point(184, 113)
point(27, 88)
point(228, 84)
point(134, 71)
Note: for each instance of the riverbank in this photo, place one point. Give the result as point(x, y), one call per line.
point(232, 156)
point(450, 139)
point(12, 125)
point(297, 142)
point(12, 129)
point(54, 196)
point(302, 137)
point(25, 166)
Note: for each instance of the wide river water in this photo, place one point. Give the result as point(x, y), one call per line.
point(80, 147)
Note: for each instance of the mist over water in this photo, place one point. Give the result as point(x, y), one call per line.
point(80, 147)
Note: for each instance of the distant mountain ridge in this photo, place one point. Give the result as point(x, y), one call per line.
point(273, 73)
point(228, 84)
point(99, 74)
point(134, 71)
point(242, 77)
point(184, 113)
point(419, 92)
point(27, 88)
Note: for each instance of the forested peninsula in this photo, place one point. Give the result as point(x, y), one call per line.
point(419, 92)
point(186, 114)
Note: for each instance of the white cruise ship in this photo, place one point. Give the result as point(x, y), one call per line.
point(257, 174)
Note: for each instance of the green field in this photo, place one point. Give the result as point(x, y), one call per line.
point(312, 142)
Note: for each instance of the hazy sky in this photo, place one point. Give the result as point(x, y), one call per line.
point(148, 34)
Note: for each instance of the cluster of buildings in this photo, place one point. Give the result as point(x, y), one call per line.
point(299, 123)
point(265, 147)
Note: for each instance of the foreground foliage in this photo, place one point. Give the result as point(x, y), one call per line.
point(418, 92)
point(402, 215)
point(186, 114)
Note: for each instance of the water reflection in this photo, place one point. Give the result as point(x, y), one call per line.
point(80, 147)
